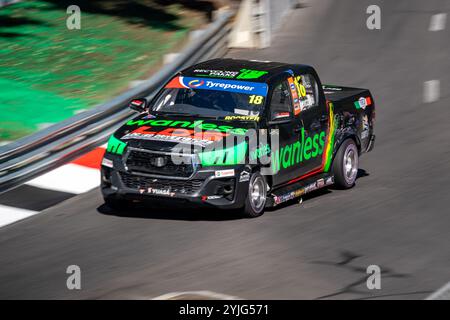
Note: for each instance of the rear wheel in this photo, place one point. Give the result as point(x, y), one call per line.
point(345, 165)
point(256, 196)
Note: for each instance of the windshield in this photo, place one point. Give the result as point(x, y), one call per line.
point(211, 97)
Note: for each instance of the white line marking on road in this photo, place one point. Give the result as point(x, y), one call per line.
point(437, 22)
point(431, 91)
point(442, 294)
point(70, 178)
point(196, 295)
point(9, 215)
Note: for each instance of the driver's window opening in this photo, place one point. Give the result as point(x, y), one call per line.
point(280, 105)
point(308, 96)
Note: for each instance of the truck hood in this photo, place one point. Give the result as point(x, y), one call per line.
point(168, 134)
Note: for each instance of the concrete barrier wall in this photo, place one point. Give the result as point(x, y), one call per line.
point(4, 3)
point(257, 20)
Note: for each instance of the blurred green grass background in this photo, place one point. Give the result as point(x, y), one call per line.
point(49, 73)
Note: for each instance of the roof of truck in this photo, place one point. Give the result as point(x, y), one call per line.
point(245, 70)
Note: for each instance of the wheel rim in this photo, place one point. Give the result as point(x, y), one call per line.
point(350, 164)
point(257, 194)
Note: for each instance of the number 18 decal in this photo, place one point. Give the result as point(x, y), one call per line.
point(254, 99)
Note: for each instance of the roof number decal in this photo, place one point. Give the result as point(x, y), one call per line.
point(251, 74)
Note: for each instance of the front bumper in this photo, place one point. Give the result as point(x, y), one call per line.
point(203, 188)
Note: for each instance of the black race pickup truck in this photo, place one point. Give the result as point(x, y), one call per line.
point(237, 134)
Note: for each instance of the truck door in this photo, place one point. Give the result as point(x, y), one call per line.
point(283, 128)
point(313, 115)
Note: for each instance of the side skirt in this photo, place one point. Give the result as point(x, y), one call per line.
point(299, 188)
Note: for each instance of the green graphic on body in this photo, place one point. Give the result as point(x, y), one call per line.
point(199, 124)
point(297, 152)
point(115, 145)
point(224, 157)
point(260, 152)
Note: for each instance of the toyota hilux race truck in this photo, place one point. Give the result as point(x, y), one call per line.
point(237, 134)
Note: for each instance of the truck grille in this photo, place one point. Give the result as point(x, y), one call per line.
point(187, 187)
point(158, 164)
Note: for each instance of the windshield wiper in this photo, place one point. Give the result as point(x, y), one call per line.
point(205, 116)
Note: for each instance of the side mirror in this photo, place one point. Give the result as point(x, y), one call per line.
point(139, 104)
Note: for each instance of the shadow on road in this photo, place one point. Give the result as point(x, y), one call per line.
point(186, 214)
point(361, 174)
point(143, 211)
point(346, 261)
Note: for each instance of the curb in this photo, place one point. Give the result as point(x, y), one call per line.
point(76, 177)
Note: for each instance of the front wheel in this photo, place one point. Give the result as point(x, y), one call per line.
point(256, 196)
point(345, 165)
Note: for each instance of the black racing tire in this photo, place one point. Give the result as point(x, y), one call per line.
point(345, 165)
point(256, 199)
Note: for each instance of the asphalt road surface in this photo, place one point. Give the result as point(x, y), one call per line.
point(397, 216)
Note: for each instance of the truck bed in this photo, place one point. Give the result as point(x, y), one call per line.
point(337, 94)
point(356, 106)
